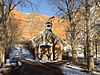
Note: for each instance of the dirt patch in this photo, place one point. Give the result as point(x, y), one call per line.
point(39, 69)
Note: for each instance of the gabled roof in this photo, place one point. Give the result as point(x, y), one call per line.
point(44, 33)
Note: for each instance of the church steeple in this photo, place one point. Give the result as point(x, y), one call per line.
point(49, 24)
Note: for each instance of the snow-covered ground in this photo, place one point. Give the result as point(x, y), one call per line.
point(74, 70)
point(20, 53)
point(23, 53)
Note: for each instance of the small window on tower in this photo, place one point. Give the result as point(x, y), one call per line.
point(48, 25)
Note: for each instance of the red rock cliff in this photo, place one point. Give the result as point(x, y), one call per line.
point(30, 25)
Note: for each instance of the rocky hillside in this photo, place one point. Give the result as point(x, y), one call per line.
point(26, 26)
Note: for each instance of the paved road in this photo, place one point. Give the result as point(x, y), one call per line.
point(72, 71)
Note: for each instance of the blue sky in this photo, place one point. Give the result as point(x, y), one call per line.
point(43, 8)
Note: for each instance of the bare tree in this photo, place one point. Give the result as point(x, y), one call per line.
point(89, 10)
point(6, 6)
point(70, 11)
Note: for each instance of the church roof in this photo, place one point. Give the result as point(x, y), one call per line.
point(47, 31)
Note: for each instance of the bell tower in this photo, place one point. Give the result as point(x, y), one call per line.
point(48, 26)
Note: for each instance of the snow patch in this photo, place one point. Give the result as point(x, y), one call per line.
point(74, 70)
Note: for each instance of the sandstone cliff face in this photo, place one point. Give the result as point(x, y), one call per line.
point(30, 25)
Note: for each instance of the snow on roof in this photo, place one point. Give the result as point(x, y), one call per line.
point(46, 42)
